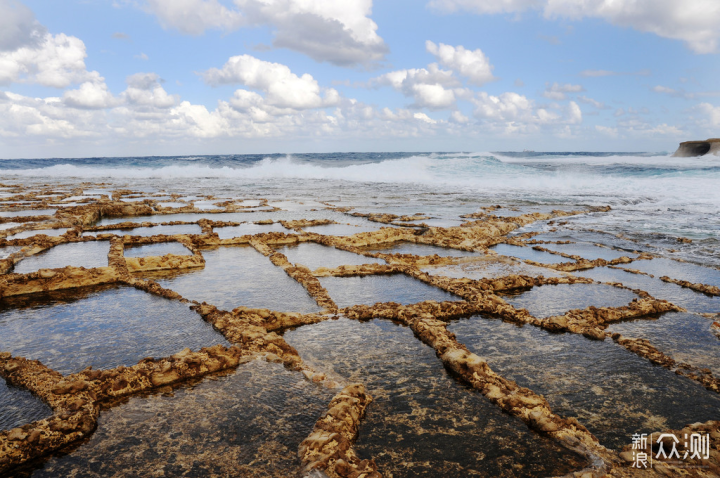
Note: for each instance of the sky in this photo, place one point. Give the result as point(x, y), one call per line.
point(84, 78)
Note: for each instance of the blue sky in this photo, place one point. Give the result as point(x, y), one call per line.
point(166, 77)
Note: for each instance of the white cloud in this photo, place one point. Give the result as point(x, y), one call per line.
point(245, 115)
point(400, 79)
point(484, 6)
point(423, 117)
point(517, 113)
point(90, 95)
point(57, 61)
point(506, 107)
point(712, 113)
point(601, 73)
point(458, 117)
point(574, 115)
point(696, 22)
point(121, 36)
point(433, 96)
point(472, 64)
point(432, 88)
point(18, 26)
point(21, 116)
point(606, 130)
point(681, 93)
point(198, 121)
point(142, 56)
point(341, 33)
point(665, 130)
point(283, 88)
point(559, 92)
point(144, 90)
point(193, 17)
point(589, 101)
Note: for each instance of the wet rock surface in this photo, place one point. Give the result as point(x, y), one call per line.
point(248, 422)
point(528, 253)
point(368, 290)
point(79, 254)
point(101, 327)
point(235, 276)
point(421, 250)
point(551, 300)
point(315, 256)
point(686, 337)
point(422, 422)
point(251, 268)
point(156, 250)
point(608, 389)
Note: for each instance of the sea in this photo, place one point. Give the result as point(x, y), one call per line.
point(655, 198)
point(422, 421)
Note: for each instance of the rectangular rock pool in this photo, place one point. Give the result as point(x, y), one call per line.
point(19, 407)
point(422, 421)
point(611, 391)
point(236, 276)
point(248, 422)
point(102, 327)
point(76, 254)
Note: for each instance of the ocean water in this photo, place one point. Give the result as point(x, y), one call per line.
point(655, 197)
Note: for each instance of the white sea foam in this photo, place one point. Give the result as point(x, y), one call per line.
point(659, 182)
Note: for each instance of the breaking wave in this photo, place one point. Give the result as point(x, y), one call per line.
point(620, 180)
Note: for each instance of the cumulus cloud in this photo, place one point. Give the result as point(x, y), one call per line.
point(57, 61)
point(144, 89)
point(472, 64)
point(21, 116)
point(559, 92)
point(400, 79)
point(193, 17)
point(505, 107)
point(283, 88)
point(606, 130)
point(430, 87)
point(517, 112)
point(696, 22)
point(341, 33)
point(458, 117)
point(90, 95)
point(424, 118)
point(245, 115)
point(18, 26)
point(711, 113)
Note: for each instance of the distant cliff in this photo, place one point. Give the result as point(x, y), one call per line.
point(698, 148)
